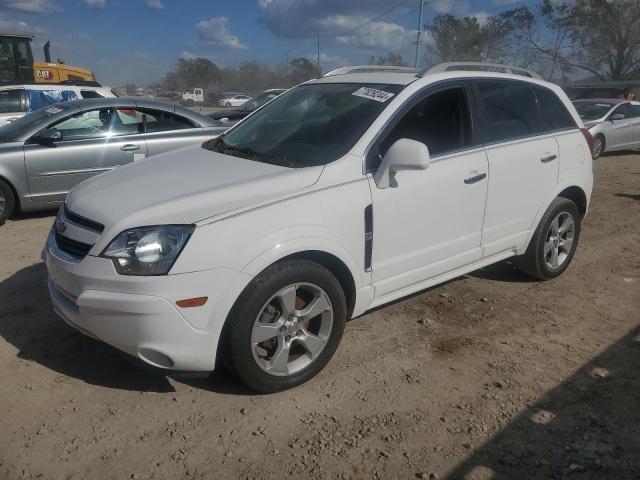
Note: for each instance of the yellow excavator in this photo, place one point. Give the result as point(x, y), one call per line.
point(18, 67)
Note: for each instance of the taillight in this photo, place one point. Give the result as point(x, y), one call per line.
point(589, 138)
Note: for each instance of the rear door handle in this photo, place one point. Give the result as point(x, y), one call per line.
point(548, 158)
point(475, 178)
point(129, 147)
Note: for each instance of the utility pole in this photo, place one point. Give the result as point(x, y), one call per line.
point(319, 71)
point(419, 31)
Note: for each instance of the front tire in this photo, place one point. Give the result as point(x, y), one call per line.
point(7, 201)
point(285, 326)
point(598, 145)
point(554, 242)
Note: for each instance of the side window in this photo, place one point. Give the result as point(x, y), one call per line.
point(622, 110)
point(555, 116)
point(90, 94)
point(158, 121)
point(12, 101)
point(441, 121)
point(634, 111)
point(509, 110)
point(103, 122)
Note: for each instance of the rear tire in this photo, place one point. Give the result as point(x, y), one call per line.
point(554, 242)
point(299, 308)
point(598, 145)
point(7, 201)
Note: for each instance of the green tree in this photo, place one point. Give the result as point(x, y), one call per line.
point(302, 70)
point(188, 74)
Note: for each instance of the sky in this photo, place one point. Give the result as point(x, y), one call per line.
point(137, 41)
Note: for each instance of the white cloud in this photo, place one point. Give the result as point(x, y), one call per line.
point(96, 3)
point(156, 4)
point(378, 35)
point(187, 56)
point(15, 26)
point(482, 17)
point(215, 33)
point(34, 6)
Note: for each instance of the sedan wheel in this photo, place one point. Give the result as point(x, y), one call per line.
point(598, 146)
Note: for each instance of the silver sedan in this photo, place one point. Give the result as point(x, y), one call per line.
point(45, 153)
point(614, 124)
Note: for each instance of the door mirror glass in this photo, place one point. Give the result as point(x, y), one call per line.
point(404, 154)
point(49, 135)
point(617, 116)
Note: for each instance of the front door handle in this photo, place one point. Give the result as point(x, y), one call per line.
point(548, 158)
point(475, 178)
point(130, 147)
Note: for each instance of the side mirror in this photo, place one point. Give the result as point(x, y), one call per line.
point(617, 116)
point(49, 135)
point(404, 154)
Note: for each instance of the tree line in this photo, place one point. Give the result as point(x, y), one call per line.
point(594, 38)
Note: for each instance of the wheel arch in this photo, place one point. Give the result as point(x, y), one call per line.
point(569, 190)
point(16, 197)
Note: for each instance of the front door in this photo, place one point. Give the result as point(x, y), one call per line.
point(430, 221)
point(92, 142)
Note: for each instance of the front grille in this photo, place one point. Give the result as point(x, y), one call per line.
point(72, 247)
point(81, 221)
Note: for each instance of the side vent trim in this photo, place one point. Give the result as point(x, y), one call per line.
point(368, 237)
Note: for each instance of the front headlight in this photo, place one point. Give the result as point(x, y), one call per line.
point(148, 250)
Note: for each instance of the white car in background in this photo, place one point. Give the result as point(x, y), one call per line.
point(341, 195)
point(233, 101)
point(18, 100)
point(614, 124)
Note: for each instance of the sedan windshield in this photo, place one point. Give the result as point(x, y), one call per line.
point(592, 110)
point(310, 125)
point(13, 130)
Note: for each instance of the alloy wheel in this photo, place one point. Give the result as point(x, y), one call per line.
point(559, 240)
point(597, 147)
point(292, 329)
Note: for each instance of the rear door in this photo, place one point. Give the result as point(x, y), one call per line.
point(92, 142)
point(523, 162)
point(167, 131)
point(634, 120)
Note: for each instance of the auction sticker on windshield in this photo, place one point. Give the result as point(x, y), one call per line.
point(373, 94)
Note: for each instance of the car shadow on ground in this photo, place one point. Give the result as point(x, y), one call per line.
point(504, 271)
point(628, 195)
point(28, 322)
point(31, 215)
point(587, 427)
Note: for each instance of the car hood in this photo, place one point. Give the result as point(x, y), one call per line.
point(592, 123)
point(183, 186)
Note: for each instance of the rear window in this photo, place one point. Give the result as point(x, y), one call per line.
point(509, 110)
point(555, 116)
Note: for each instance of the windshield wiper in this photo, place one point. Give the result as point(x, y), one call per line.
point(242, 152)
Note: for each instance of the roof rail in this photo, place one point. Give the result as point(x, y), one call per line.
point(370, 69)
point(478, 67)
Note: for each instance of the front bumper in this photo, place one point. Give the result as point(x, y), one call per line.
point(138, 315)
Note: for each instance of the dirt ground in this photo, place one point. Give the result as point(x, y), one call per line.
point(489, 376)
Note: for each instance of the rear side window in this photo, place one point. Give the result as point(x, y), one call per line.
point(554, 114)
point(12, 101)
point(158, 121)
point(509, 110)
point(622, 110)
point(90, 94)
point(634, 111)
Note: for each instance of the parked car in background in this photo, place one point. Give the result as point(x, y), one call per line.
point(341, 195)
point(247, 107)
point(18, 100)
point(614, 124)
point(234, 100)
point(44, 154)
point(191, 98)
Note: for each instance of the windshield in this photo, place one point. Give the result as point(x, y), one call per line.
point(310, 125)
point(13, 130)
point(592, 110)
point(260, 100)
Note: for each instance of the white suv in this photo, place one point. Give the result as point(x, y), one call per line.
point(343, 194)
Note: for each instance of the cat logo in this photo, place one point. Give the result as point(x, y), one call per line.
point(44, 74)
